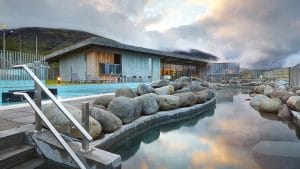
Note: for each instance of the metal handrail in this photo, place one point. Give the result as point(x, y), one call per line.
point(56, 102)
point(52, 129)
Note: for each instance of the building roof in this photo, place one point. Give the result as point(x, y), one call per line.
point(96, 41)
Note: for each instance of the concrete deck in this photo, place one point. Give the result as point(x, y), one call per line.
point(14, 116)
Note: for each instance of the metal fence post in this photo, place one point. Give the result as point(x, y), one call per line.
point(86, 125)
point(38, 96)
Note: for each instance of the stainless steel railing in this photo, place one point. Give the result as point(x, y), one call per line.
point(39, 116)
point(55, 101)
point(52, 129)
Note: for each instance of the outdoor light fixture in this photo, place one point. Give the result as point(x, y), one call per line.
point(58, 80)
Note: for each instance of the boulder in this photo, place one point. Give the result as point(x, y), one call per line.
point(256, 100)
point(149, 102)
point(187, 99)
point(126, 92)
point(168, 102)
point(100, 107)
point(269, 105)
point(268, 90)
point(201, 97)
point(284, 112)
point(64, 125)
point(104, 100)
point(109, 121)
point(127, 109)
point(159, 83)
point(183, 90)
point(259, 89)
point(195, 86)
point(143, 89)
point(295, 88)
point(210, 93)
point(278, 93)
point(285, 98)
point(178, 84)
point(166, 90)
point(294, 103)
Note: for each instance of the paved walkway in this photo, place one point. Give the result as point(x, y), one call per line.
point(19, 115)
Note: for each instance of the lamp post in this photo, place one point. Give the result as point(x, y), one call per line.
point(20, 40)
point(4, 27)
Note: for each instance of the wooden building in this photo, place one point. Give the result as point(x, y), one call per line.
point(109, 60)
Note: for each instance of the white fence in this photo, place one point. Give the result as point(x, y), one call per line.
point(18, 79)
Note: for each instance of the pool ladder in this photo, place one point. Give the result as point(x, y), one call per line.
point(39, 115)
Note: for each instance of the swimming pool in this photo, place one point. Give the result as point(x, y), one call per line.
point(73, 90)
point(222, 138)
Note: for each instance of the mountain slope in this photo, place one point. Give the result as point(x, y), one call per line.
point(49, 40)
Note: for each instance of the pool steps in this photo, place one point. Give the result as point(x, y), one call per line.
point(15, 152)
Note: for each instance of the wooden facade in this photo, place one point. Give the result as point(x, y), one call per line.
point(86, 63)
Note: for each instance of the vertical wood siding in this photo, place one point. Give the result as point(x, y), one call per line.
point(133, 63)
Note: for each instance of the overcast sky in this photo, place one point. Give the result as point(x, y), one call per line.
point(256, 33)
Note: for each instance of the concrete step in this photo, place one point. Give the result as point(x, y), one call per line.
point(11, 139)
point(14, 155)
point(34, 163)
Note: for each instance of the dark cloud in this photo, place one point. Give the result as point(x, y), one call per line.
point(257, 33)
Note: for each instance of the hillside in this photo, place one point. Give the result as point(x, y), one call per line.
point(49, 40)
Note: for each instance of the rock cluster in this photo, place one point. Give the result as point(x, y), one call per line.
point(109, 112)
point(276, 98)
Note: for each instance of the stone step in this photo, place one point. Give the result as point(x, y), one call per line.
point(14, 155)
point(34, 163)
point(10, 139)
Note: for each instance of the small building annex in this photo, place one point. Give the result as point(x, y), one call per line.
point(101, 58)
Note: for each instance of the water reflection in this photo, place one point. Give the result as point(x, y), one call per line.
point(219, 139)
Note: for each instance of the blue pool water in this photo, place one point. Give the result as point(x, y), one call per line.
point(66, 91)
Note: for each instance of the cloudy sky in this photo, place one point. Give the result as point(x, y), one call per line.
point(256, 33)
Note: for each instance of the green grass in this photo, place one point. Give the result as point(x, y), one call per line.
point(54, 82)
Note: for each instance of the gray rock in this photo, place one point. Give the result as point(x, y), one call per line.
point(109, 121)
point(210, 93)
point(127, 109)
point(100, 107)
point(284, 112)
point(195, 86)
point(143, 89)
point(187, 99)
point(201, 97)
point(278, 93)
point(259, 89)
point(270, 106)
point(166, 90)
point(149, 102)
point(159, 83)
point(178, 84)
point(256, 101)
point(126, 92)
point(285, 98)
point(268, 90)
point(295, 88)
point(168, 102)
point(104, 100)
point(183, 90)
point(297, 92)
point(294, 103)
point(64, 125)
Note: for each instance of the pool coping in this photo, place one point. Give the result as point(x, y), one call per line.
point(144, 122)
point(45, 102)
